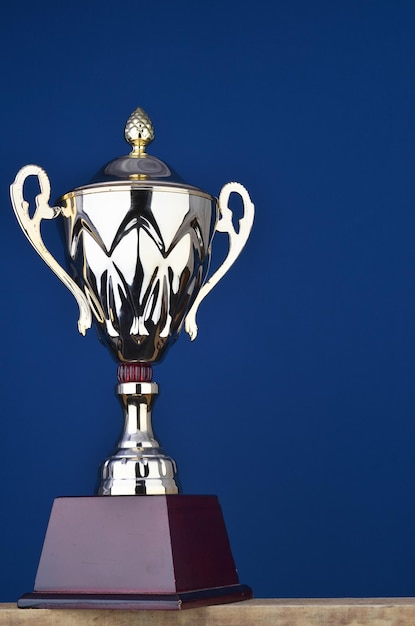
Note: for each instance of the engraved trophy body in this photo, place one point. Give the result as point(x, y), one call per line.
point(138, 244)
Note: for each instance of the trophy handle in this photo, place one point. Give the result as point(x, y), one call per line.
point(237, 241)
point(31, 228)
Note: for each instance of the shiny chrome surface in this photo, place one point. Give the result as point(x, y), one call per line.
point(129, 168)
point(139, 466)
point(141, 256)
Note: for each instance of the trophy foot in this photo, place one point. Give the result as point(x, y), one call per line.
point(138, 472)
point(139, 466)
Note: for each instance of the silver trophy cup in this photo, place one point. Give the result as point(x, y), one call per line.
point(138, 245)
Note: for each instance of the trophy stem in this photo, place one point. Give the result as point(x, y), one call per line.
point(139, 466)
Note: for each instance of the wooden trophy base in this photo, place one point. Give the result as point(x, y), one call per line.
point(135, 552)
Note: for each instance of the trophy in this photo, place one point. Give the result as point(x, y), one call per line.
point(138, 244)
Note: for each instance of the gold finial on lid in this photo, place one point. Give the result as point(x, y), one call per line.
point(139, 132)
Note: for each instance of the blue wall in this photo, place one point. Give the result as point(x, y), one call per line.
point(295, 405)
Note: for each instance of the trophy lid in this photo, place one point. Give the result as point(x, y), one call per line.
point(138, 165)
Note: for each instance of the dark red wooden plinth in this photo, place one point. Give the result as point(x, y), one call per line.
point(150, 552)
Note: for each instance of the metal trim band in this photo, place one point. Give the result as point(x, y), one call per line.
point(137, 388)
point(129, 186)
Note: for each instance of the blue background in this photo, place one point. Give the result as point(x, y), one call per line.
point(295, 405)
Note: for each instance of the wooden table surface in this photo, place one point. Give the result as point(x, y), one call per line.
point(259, 612)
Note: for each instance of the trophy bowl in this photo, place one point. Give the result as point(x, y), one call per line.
point(138, 243)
